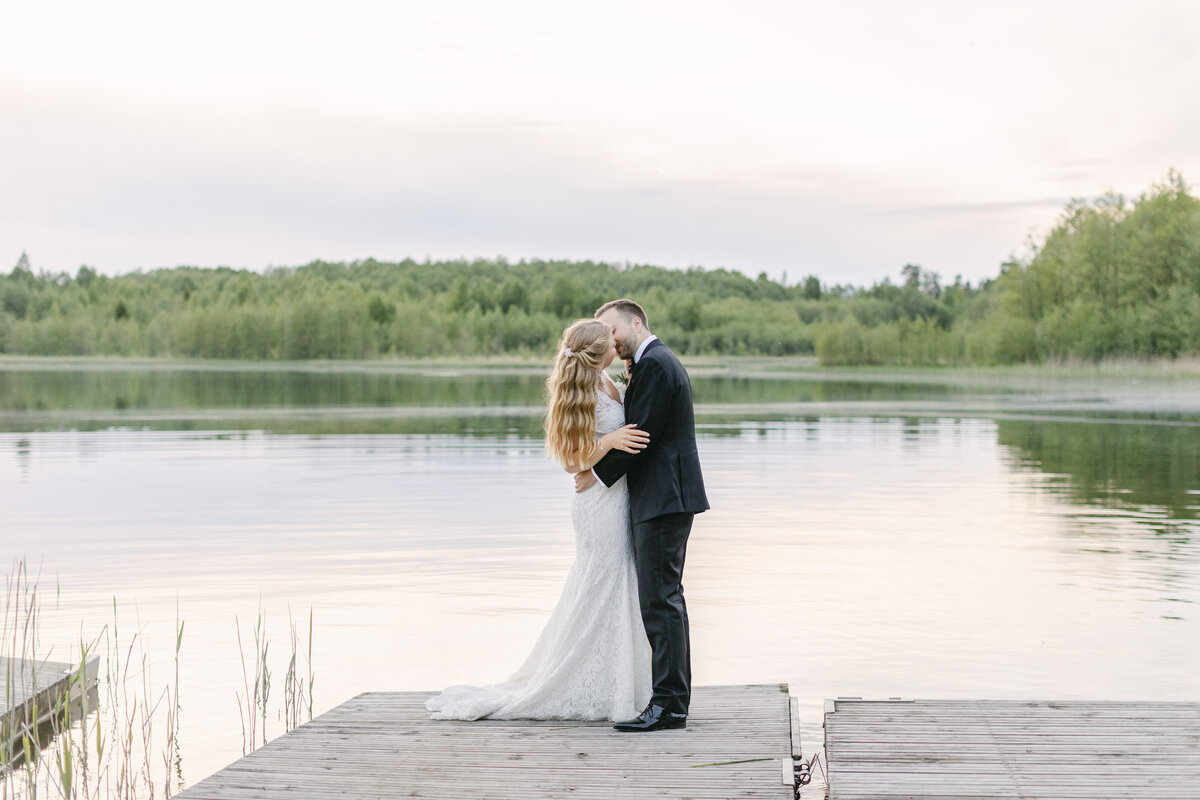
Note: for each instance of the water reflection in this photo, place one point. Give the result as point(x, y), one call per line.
point(1129, 466)
point(357, 399)
point(140, 389)
point(180, 389)
point(1133, 496)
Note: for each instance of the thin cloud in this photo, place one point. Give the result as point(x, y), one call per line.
point(987, 208)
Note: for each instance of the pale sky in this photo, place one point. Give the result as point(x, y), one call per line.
point(842, 140)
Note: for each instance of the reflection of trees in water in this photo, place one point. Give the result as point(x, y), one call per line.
point(1127, 466)
point(798, 389)
point(140, 389)
point(492, 427)
point(121, 390)
point(1136, 487)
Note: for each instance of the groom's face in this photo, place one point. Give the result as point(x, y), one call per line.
point(626, 332)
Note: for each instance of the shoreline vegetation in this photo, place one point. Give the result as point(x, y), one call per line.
point(1114, 279)
point(1180, 368)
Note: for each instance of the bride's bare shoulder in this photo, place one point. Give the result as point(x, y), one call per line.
point(612, 386)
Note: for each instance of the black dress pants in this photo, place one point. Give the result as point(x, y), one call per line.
point(659, 547)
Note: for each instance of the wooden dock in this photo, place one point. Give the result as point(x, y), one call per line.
point(383, 745)
point(33, 692)
point(972, 750)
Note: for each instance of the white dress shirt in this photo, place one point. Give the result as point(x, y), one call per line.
point(642, 347)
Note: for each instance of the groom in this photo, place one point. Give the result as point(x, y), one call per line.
point(666, 491)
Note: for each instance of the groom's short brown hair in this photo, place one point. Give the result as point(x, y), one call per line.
point(626, 307)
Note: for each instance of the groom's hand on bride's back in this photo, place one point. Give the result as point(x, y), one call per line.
point(584, 481)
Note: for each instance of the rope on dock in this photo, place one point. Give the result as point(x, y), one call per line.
point(803, 771)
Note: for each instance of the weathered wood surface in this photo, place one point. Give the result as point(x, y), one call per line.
point(33, 691)
point(972, 750)
point(383, 745)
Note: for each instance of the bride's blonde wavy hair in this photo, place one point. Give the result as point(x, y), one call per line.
point(571, 390)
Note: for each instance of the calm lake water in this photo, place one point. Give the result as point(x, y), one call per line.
point(871, 535)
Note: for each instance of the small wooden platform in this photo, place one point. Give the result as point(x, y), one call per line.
point(971, 750)
point(33, 691)
point(384, 745)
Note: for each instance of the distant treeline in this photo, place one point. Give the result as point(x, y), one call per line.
point(1112, 279)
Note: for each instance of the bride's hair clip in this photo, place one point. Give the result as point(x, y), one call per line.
point(568, 352)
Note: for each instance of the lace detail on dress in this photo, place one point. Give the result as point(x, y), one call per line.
point(592, 660)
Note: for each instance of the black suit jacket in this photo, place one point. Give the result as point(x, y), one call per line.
point(665, 477)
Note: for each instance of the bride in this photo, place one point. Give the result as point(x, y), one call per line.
point(592, 660)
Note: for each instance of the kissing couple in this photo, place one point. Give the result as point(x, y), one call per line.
point(617, 641)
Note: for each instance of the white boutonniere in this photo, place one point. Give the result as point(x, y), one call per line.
point(623, 375)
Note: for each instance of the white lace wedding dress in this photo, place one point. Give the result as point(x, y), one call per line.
point(592, 660)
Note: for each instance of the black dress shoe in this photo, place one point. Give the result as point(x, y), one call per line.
point(654, 718)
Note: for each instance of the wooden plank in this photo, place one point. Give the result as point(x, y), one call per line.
point(384, 745)
point(1005, 749)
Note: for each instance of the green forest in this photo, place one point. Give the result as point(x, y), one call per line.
point(1114, 278)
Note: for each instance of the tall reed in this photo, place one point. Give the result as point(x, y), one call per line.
point(113, 734)
point(253, 701)
point(297, 692)
point(76, 746)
